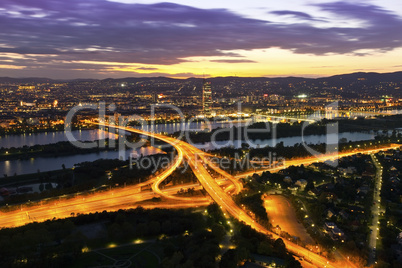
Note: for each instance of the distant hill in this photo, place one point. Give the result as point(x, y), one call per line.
point(343, 79)
point(27, 80)
point(372, 78)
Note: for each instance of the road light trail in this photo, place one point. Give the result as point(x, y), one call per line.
point(311, 160)
point(227, 203)
point(179, 159)
point(375, 210)
point(205, 157)
point(224, 200)
point(206, 180)
point(121, 198)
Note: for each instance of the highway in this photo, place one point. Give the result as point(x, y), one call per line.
point(323, 158)
point(118, 198)
point(198, 164)
point(194, 154)
point(121, 198)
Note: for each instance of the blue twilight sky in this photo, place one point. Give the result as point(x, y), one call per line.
point(120, 38)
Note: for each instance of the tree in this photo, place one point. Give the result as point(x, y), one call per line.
point(41, 187)
point(49, 186)
point(141, 229)
point(169, 250)
point(218, 231)
point(293, 264)
point(245, 145)
point(173, 261)
point(309, 186)
point(154, 227)
point(229, 259)
point(280, 247)
point(264, 248)
point(242, 253)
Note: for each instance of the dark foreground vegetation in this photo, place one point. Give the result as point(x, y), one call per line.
point(171, 238)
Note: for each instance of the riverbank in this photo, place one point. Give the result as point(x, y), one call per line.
point(34, 130)
point(62, 148)
point(266, 130)
point(58, 149)
point(84, 177)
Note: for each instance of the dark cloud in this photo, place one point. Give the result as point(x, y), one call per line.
point(97, 30)
point(293, 13)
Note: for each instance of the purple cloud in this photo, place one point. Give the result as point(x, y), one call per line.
point(55, 32)
point(301, 15)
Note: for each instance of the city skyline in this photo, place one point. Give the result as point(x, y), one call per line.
point(181, 39)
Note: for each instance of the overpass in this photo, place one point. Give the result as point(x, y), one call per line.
point(198, 162)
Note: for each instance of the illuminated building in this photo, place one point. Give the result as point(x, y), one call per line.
point(206, 98)
point(26, 87)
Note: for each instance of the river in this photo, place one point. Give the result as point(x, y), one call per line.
point(42, 138)
point(44, 164)
point(290, 141)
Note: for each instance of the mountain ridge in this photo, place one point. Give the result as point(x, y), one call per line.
point(369, 76)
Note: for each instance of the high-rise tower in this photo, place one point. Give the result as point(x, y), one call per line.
point(206, 98)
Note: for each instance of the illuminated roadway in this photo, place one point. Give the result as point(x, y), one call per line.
point(113, 200)
point(121, 198)
point(197, 164)
point(375, 211)
point(311, 160)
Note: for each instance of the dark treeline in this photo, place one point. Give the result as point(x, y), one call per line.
point(47, 150)
point(241, 133)
point(186, 239)
point(249, 241)
point(254, 203)
point(294, 129)
point(23, 128)
point(299, 150)
point(191, 240)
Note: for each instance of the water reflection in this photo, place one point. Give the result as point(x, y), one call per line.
point(9, 141)
point(44, 164)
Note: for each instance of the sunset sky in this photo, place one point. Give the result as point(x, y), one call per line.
point(123, 38)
